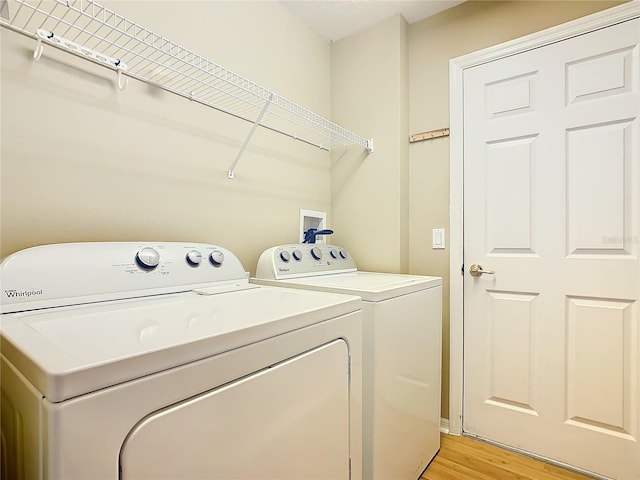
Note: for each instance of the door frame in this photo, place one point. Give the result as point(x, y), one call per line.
point(457, 66)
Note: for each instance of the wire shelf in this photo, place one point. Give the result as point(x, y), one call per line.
point(89, 30)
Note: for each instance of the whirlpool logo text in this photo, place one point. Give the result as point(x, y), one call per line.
point(22, 293)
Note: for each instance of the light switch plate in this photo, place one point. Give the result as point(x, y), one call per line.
point(438, 238)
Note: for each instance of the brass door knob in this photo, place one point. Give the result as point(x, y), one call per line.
point(476, 270)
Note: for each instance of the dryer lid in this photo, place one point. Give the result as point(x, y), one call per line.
point(69, 351)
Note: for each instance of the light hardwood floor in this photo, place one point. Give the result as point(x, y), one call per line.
point(462, 458)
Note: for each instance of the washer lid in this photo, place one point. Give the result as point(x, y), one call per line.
point(70, 351)
point(371, 286)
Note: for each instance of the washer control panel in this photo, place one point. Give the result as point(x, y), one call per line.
point(75, 273)
point(302, 260)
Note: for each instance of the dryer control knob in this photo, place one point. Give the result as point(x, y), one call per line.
point(216, 258)
point(316, 253)
point(343, 254)
point(334, 253)
point(297, 255)
point(148, 258)
point(194, 257)
point(284, 256)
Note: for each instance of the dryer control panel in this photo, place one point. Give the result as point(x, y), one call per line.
point(77, 273)
point(303, 260)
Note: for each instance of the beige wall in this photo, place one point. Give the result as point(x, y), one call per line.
point(83, 161)
point(432, 43)
point(369, 193)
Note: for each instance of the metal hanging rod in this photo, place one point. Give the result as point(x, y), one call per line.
point(91, 31)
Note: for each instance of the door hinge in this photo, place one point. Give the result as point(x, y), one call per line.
point(462, 269)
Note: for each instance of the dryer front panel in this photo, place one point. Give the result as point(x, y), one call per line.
point(287, 421)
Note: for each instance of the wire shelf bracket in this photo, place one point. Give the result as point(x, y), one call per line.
point(230, 174)
point(88, 30)
point(73, 47)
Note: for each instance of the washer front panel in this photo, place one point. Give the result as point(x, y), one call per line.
point(71, 425)
point(290, 420)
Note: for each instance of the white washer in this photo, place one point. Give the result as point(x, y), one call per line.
point(160, 360)
point(402, 329)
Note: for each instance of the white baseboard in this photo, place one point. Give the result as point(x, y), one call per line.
point(444, 425)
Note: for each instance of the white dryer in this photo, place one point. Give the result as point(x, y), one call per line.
point(402, 325)
point(160, 360)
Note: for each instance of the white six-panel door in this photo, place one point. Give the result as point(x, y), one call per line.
point(551, 204)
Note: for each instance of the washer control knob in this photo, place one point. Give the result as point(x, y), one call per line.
point(334, 253)
point(297, 255)
point(194, 257)
point(148, 257)
point(343, 254)
point(216, 258)
point(285, 256)
point(316, 253)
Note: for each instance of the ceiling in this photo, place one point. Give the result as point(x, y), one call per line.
point(336, 19)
